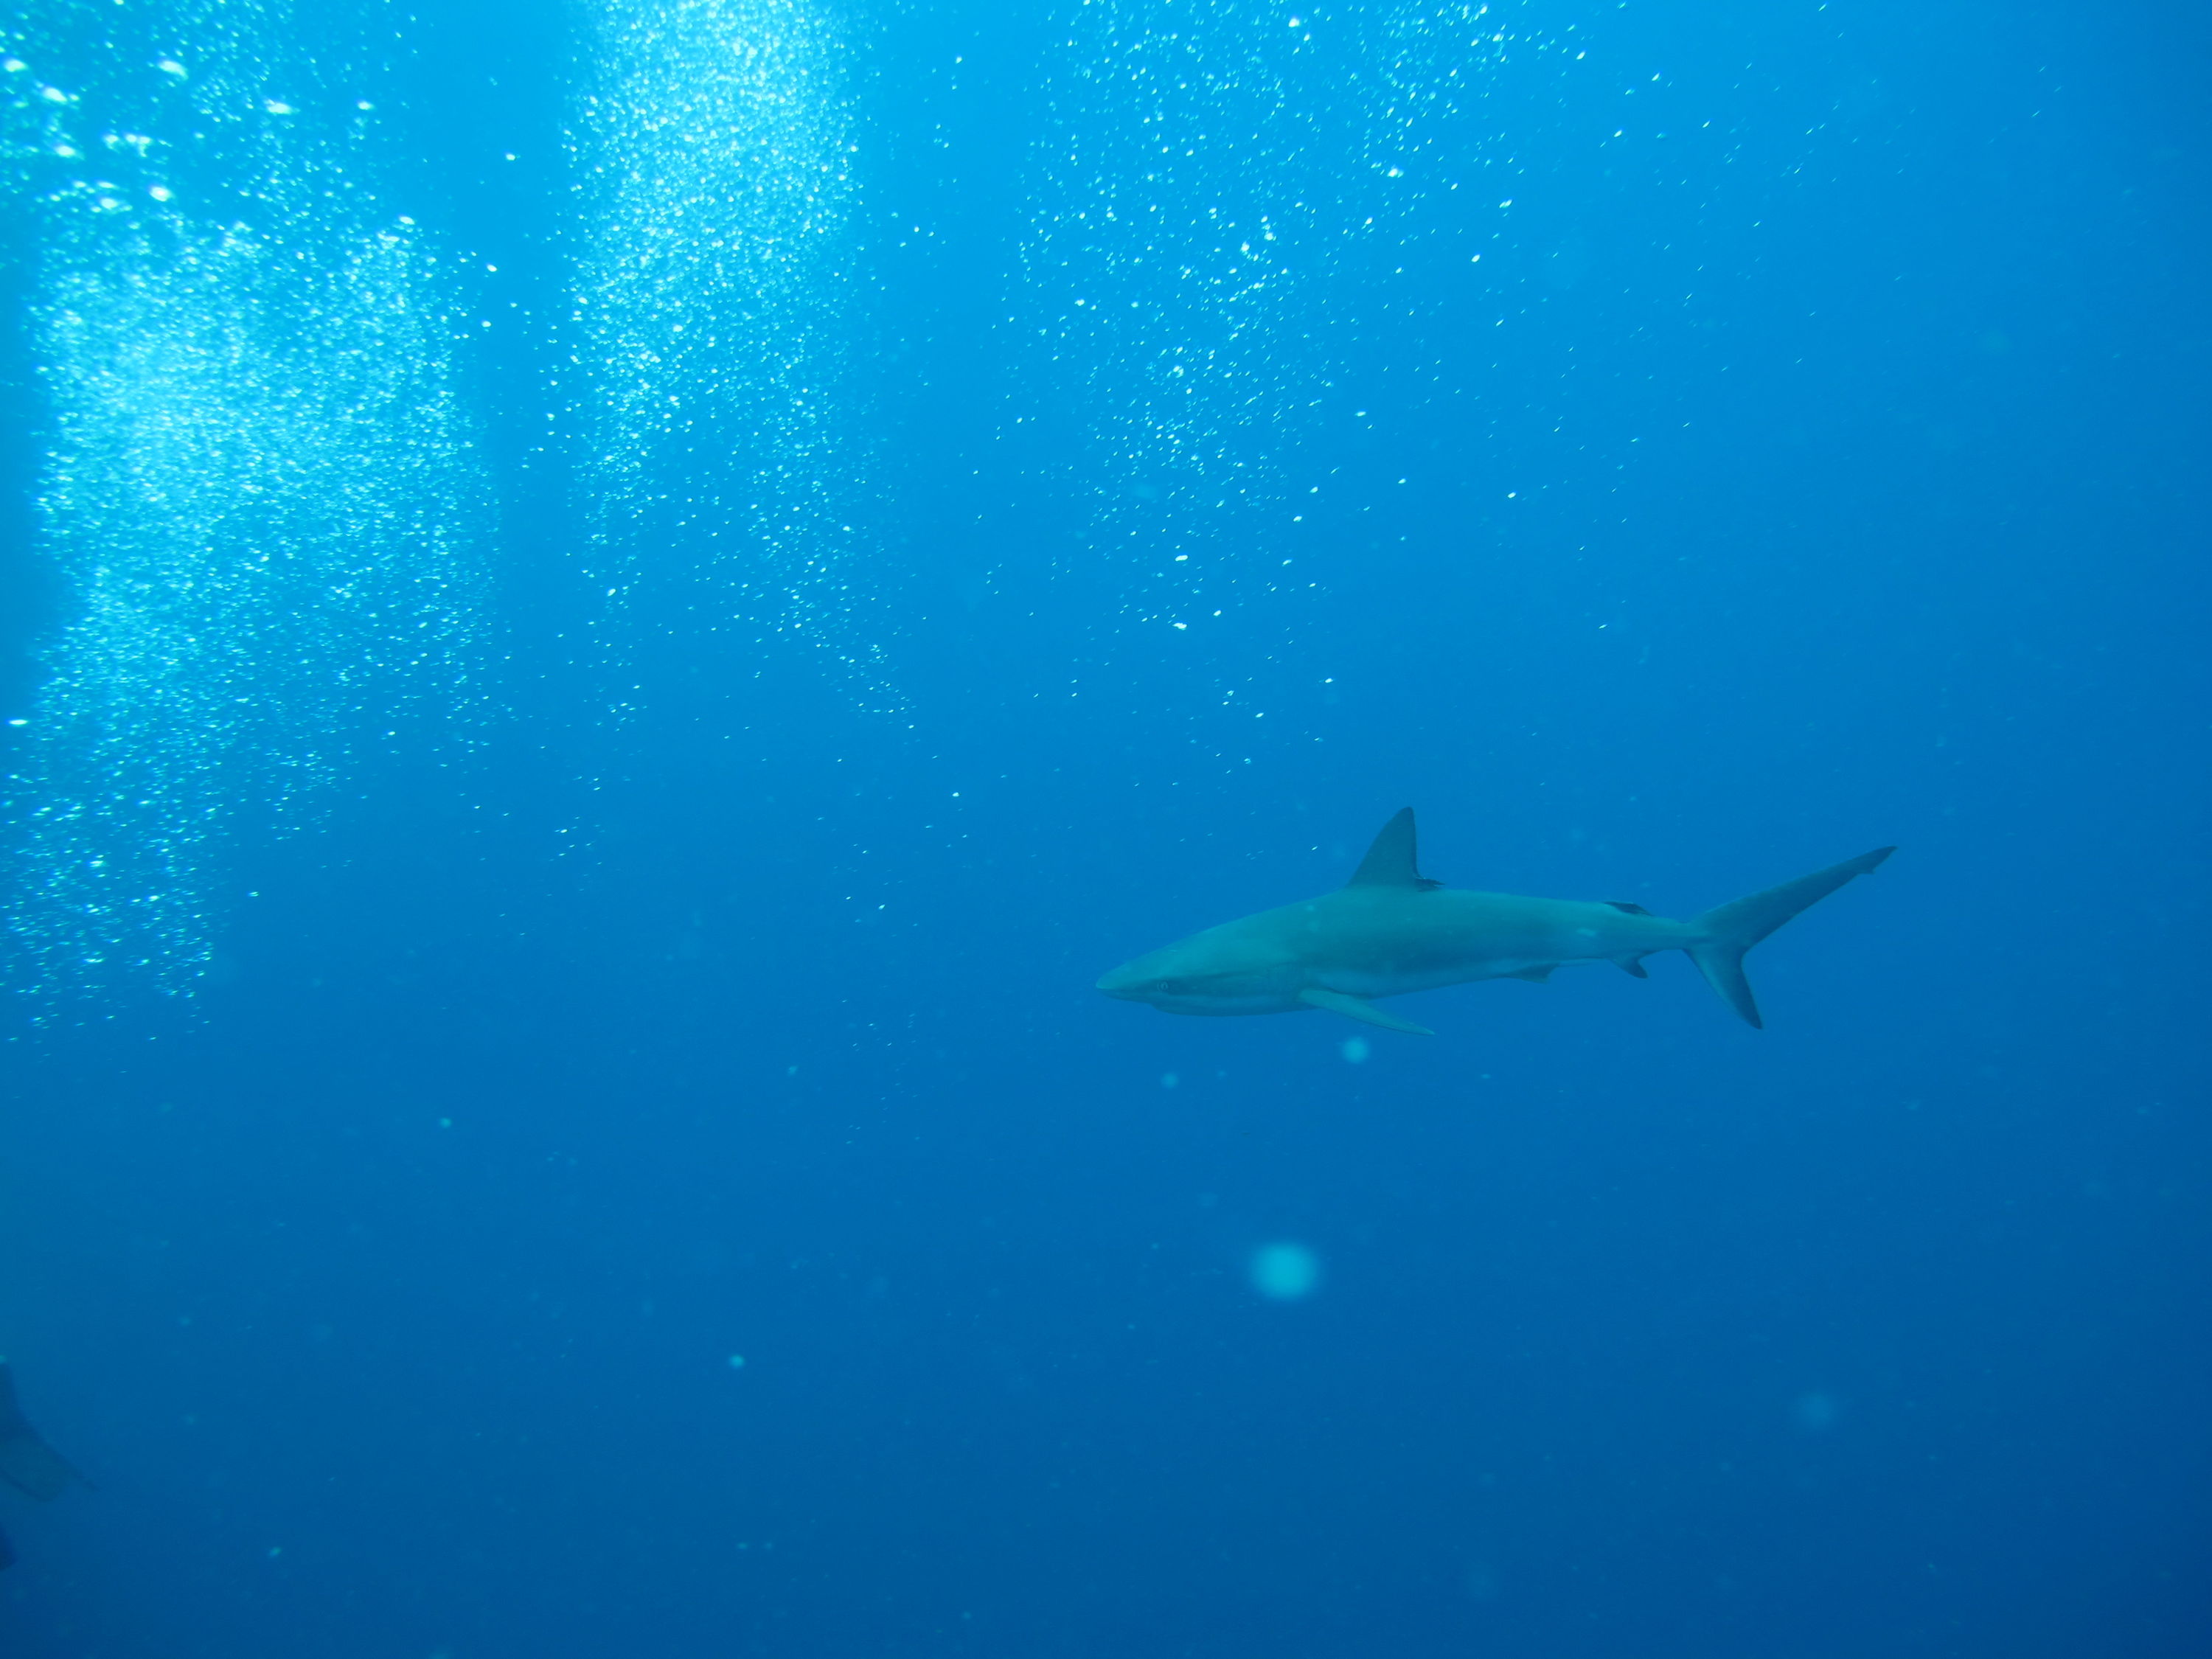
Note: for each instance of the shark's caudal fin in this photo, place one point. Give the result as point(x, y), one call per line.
point(1729, 930)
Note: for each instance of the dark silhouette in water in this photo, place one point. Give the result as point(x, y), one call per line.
point(27, 1462)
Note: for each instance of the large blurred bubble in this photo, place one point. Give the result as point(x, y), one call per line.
point(1284, 1272)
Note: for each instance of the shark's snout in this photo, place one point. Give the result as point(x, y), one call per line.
point(1124, 982)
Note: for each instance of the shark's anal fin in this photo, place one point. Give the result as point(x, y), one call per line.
point(1534, 976)
point(1360, 1008)
point(1630, 965)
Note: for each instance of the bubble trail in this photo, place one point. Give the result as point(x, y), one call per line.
point(714, 146)
point(1215, 185)
point(259, 488)
point(1167, 263)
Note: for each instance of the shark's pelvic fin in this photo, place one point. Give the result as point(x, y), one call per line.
point(1729, 930)
point(1360, 1008)
point(1389, 862)
point(1633, 965)
point(1535, 975)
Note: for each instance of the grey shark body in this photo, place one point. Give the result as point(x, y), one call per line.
point(1390, 931)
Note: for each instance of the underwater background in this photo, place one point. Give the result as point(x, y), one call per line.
point(611, 611)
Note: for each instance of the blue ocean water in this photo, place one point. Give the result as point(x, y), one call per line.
point(612, 612)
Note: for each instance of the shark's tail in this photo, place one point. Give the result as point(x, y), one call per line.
point(1727, 931)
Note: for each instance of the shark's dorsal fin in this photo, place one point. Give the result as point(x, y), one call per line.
point(1632, 909)
point(1389, 862)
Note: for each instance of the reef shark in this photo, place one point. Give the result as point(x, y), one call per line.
point(1390, 930)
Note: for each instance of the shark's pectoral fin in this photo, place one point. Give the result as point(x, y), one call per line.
point(1534, 975)
point(27, 1462)
point(1361, 1009)
point(1633, 965)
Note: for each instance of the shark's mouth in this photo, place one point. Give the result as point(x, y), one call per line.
point(1145, 987)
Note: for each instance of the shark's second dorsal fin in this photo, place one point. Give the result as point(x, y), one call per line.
point(1389, 862)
